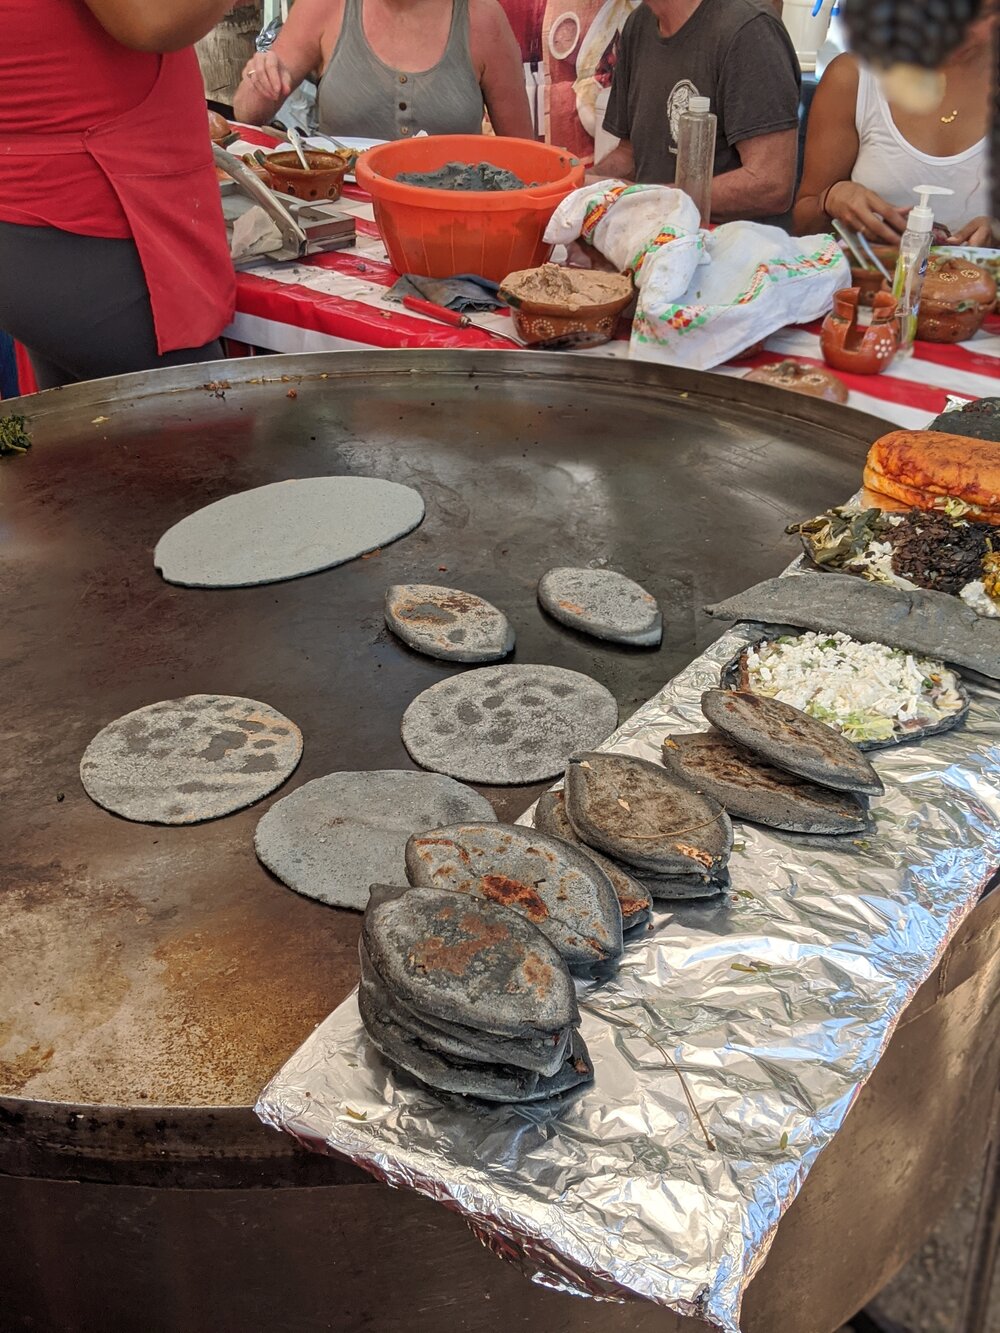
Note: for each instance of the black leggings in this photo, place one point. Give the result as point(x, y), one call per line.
point(80, 305)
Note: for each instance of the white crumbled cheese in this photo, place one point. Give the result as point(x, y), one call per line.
point(975, 595)
point(867, 690)
point(875, 563)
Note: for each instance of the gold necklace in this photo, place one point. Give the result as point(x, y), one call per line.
point(947, 120)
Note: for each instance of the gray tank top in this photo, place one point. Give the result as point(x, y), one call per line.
point(360, 95)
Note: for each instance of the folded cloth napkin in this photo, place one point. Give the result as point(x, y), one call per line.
point(466, 291)
point(704, 296)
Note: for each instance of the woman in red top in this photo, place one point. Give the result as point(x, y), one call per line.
point(113, 253)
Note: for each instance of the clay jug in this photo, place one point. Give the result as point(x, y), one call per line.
point(860, 349)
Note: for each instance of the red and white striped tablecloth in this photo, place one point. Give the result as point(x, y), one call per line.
point(337, 301)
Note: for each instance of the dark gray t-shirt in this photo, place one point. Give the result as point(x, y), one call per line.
point(736, 52)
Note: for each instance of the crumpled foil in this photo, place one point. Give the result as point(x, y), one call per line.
point(728, 1047)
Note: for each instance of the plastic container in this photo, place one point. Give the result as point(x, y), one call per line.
point(807, 29)
point(439, 233)
point(911, 267)
point(696, 155)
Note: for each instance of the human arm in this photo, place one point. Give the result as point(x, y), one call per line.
point(757, 102)
point(619, 164)
point(496, 58)
point(158, 25)
point(270, 76)
point(832, 144)
point(763, 183)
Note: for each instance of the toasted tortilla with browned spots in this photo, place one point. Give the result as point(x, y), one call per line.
point(639, 813)
point(752, 789)
point(542, 1055)
point(468, 961)
point(603, 603)
point(791, 740)
point(447, 623)
point(634, 900)
point(548, 882)
point(182, 761)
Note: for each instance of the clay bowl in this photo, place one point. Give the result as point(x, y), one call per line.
point(590, 323)
point(323, 180)
point(869, 284)
point(810, 380)
point(956, 298)
point(256, 168)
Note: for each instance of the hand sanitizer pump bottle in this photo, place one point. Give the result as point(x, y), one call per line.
point(911, 267)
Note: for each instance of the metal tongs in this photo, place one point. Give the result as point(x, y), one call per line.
point(292, 236)
point(861, 250)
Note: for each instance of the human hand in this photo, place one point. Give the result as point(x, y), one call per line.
point(977, 232)
point(268, 75)
point(865, 211)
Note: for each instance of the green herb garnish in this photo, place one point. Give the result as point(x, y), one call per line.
point(13, 436)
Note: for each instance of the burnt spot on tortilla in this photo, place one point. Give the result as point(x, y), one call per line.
point(426, 613)
point(457, 956)
point(539, 975)
point(512, 893)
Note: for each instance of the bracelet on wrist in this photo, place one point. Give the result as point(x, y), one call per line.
point(824, 198)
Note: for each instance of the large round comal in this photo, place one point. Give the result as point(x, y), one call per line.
point(441, 233)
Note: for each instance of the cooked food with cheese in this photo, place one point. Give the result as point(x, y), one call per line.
point(917, 549)
point(874, 695)
point(932, 469)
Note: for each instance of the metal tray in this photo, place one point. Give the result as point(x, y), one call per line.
point(153, 967)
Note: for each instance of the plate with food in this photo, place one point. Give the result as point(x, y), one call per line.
point(874, 695)
point(935, 549)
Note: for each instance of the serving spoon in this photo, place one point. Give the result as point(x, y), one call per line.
point(295, 139)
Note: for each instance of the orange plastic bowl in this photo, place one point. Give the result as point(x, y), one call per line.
point(438, 233)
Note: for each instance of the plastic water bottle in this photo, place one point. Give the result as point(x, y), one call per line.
point(696, 155)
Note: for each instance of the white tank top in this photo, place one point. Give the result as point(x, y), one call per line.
point(890, 165)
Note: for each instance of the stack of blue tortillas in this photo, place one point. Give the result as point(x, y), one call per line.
point(634, 897)
point(286, 529)
point(468, 997)
point(507, 725)
point(771, 764)
point(554, 886)
point(337, 835)
point(675, 840)
point(186, 760)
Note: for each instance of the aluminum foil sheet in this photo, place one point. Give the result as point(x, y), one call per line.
point(728, 1047)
